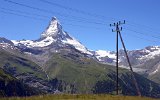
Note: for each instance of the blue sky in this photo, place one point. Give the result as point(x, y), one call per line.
point(86, 20)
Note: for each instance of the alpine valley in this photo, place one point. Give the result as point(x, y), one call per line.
point(58, 63)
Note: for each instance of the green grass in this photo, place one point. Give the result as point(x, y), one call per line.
point(4, 76)
point(83, 75)
point(21, 65)
point(81, 72)
point(79, 97)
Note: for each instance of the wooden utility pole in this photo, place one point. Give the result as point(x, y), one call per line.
point(133, 76)
point(118, 30)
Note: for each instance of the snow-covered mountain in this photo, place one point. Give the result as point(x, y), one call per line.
point(53, 34)
point(141, 55)
point(54, 39)
point(145, 61)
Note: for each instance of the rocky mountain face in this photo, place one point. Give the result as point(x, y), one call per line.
point(10, 86)
point(144, 61)
point(57, 62)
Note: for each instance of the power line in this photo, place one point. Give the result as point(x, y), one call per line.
point(64, 23)
point(27, 6)
point(142, 38)
point(91, 14)
point(65, 18)
point(145, 34)
point(22, 12)
point(27, 13)
point(81, 26)
point(6, 12)
point(74, 10)
point(144, 27)
point(51, 12)
point(71, 9)
point(38, 15)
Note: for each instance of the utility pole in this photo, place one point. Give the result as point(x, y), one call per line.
point(118, 31)
point(132, 73)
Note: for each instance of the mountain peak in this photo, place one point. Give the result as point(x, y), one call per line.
point(53, 34)
point(53, 29)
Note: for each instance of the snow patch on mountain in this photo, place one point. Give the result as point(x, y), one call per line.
point(29, 43)
point(101, 53)
point(53, 28)
point(150, 52)
point(77, 45)
point(6, 45)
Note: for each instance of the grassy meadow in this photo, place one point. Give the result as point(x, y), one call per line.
point(79, 97)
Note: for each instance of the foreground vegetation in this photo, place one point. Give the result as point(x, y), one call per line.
point(79, 97)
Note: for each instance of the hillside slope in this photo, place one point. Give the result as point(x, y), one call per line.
point(23, 69)
point(84, 75)
point(10, 86)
